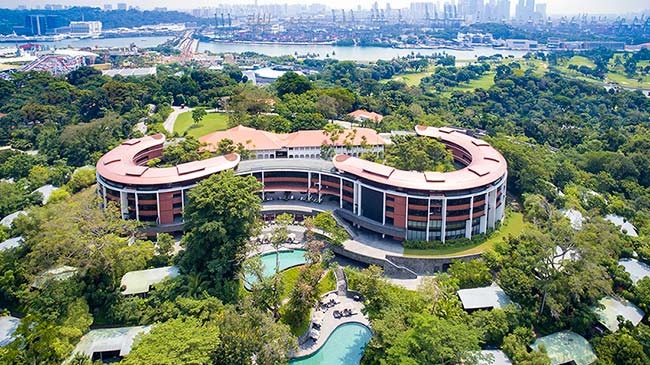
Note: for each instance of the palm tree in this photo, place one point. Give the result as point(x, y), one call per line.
point(195, 285)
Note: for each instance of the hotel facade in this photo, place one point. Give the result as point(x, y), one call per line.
point(377, 198)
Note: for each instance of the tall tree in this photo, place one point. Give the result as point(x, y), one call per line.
point(219, 216)
point(198, 114)
point(176, 342)
point(292, 83)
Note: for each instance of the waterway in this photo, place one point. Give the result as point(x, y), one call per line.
point(279, 49)
point(348, 53)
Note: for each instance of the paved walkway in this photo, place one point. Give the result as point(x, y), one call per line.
point(171, 119)
point(329, 324)
point(410, 284)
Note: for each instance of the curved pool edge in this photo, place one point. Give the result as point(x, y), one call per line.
point(323, 343)
point(268, 253)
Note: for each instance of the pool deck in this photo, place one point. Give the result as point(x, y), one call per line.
point(260, 248)
point(330, 323)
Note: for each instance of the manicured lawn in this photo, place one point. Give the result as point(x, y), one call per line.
point(210, 123)
point(484, 83)
point(290, 278)
point(513, 225)
point(328, 283)
point(412, 79)
point(623, 80)
point(580, 61)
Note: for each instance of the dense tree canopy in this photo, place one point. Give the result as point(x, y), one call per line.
point(219, 216)
point(418, 154)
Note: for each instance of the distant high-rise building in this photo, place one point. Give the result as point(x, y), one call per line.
point(122, 6)
point(525, 10)
point(449, 11)
point(540, 11)
point(503, 9)
point(530, 8)
point(108, 7)
point(476, 10)
point(421, 10)
point(40, 25)
point(160, 9)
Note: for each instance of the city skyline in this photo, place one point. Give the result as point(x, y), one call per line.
point(553, 7)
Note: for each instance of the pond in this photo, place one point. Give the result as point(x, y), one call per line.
point(345, 346)
point(288, 259)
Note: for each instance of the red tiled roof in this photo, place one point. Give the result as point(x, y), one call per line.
point(255, 140)
point(487, 166)
point(118, 165)
point(364, 114)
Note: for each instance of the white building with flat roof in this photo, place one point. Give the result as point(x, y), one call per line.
point(92, 28)
point(483, 298)
point(8, 326)
point(109, 343)
point(611, 308)
point(140, 282)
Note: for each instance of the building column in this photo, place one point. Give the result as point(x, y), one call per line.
point(158, 205)
point(137, 209)
point(383, 206)
point(358, 199)
point(308, 185)
point(124, 204)
point(483, 227)
point(491, 205)
point(428, 216)
point(183, 200)
point(103, 187)
point(319, 186)
point(340, 193)
point(443, 223)
point(468, 226)
point(263, 187)
point(406, 219)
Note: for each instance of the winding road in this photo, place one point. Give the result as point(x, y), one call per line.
point(171, 119)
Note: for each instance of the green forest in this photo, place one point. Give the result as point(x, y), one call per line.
point(569, 144)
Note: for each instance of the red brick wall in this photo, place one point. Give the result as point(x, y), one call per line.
point(399, 213)
point(166, 207)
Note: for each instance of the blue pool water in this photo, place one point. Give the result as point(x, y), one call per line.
point(287, 259)
point(344, 347)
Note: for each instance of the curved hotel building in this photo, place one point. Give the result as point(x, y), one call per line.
point(394, 203)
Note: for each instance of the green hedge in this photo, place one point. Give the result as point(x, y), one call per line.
point(431, 245)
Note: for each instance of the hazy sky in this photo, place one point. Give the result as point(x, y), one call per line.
point(553, 6)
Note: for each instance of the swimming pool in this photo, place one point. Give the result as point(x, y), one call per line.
point(345, 346)
point(287, 259)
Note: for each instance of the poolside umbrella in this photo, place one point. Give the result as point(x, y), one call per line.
point(292, 236)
